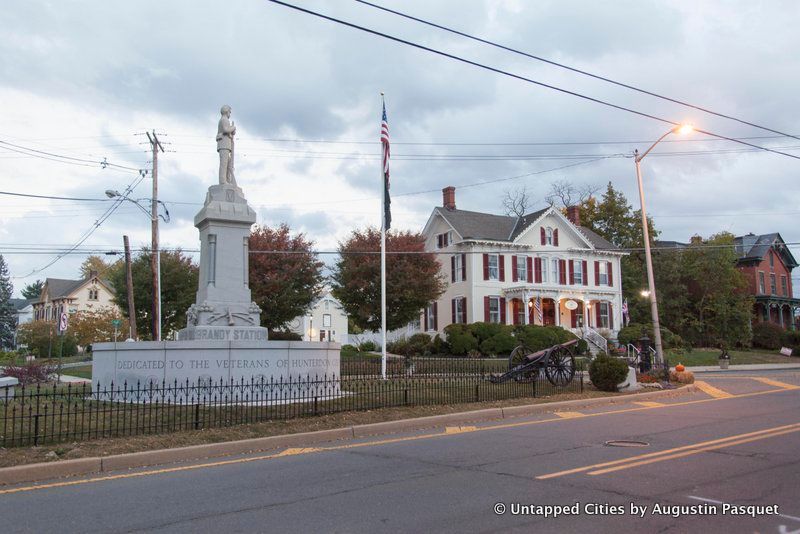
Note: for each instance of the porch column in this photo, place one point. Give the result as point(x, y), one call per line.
point(557, 306)
point(780, 313)
point(525, 309)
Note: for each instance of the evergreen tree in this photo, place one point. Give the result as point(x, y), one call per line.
point(8, 319)
point(33, 290)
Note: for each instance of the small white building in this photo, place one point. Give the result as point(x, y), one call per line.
point(326, 320)
point(543, 268)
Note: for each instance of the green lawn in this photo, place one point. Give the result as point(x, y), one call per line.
point(711, 357)
point(84, 371)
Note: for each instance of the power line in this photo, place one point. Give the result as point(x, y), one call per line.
point(66, 159)
point(517, 76)
point(573, 69)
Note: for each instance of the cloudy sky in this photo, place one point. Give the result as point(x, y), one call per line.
point(81, 81)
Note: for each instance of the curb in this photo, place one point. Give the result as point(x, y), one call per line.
point(88, 466)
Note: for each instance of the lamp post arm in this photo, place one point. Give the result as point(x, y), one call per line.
point(646, 152)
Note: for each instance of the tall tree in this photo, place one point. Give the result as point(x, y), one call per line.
point(8, 319)
point(285, 275)
point(565, 193)
point(33, 290)
point(99, 265)
point(614, 218)
point(179, 277)
point(413, 280)
point(720, 308)
point(517, 201)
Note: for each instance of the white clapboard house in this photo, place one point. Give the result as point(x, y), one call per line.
point(542, 268)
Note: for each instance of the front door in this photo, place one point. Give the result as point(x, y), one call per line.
point(549, 312)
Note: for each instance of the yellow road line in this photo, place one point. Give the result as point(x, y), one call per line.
point(775, 383)
point(708, 389)
point(570, 415)
point(650, 404)
point(792, 427)
point(458, 429)
point(294, 451)
point(362, 444)
point(693, 451)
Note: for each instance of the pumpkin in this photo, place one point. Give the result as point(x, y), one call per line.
point(680, 368)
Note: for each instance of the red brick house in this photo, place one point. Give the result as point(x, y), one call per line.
point(767, 263)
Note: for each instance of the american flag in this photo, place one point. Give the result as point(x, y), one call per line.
point(537, 305)
point(387, 213)
point(625, 312)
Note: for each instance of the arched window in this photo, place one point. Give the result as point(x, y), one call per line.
point(548, 236)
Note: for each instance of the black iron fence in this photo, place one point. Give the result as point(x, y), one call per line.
point(46, 413)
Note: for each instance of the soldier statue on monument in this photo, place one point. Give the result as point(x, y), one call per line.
point(225, 132)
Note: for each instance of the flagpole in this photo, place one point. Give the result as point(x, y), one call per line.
point(383, 264)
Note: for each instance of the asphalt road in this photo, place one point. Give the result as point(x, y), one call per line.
point(734, 443)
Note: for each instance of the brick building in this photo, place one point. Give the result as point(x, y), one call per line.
point(767, 263)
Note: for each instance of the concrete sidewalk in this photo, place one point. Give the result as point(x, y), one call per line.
point(746, 367)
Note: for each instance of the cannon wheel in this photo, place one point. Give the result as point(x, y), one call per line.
point(517, 357)
point(560, 367)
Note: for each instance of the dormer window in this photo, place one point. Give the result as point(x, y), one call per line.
point(93, 294)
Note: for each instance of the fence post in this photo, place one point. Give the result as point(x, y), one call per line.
point(315, 405)
point(581, 382)
point(35, 430)
point(197, 416)
point(477, 393)
point(535, 381)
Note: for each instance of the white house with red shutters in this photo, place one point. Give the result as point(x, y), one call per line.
point(542, 268)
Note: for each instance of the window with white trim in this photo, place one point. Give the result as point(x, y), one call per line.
point(554, 271)
point(762, 286)
point(494, 270)
point(603, 271)
point(548, 236)
point(93, 294)
point(578, 272)
point(772, 285)
point(545, 263)
point(494, 309)
point(458, 272)
point(444, 240)
point(430, 317)
point(784, 286)
point(605, 315)
point(460, 311)
point(522, 309)
point(522, 268)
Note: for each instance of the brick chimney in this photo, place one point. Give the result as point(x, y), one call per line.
point(574, 215)
point(449, 197)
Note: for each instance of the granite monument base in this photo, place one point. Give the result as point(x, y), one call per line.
point(223, 371)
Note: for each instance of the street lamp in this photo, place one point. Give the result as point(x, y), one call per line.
point(682, 129)
point(156, 252)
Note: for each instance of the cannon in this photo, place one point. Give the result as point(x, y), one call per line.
point(558, 362)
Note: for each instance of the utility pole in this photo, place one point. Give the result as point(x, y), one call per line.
point(155, 259)
point(129, 281)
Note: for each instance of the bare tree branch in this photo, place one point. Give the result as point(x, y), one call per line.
point(566, 194)
point(516, 201)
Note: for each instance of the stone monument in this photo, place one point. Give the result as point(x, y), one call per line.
point(223, 341)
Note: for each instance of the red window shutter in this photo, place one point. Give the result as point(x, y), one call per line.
point(597, 320)
point(610, 275)
point(571, 272)
point(452, 268)
point(585, 274)
point(562, 272)
point(538, 263)
point(463, 267)
point(485, 266)
point(464, 310)
point(515, 311)
point(530, 269)
point(597, 273)
point(544, 239)
point(610, 316)
point(513, 268)
point(436, 316)
point(555, 237)
point(574, 318)
point(501, 263)
point(485, 309)
point(453, 310)
point(439, 241)
point(502, 310)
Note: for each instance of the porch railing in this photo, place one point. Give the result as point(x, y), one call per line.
point(593, 336)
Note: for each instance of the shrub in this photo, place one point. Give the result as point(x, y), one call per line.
point(439, 345)
point(30, 373)
point(499, 344)
point(606, 372)
point(582, 348)
point(420, 344)
point(791, 339)
point(767, 336)
point(348, 351)
point(634, 332)
point(43, 340)
point(367, 346)
point(284, 335)
point(541, 337)
point(460, 339)
point(399, 346)
point(484, 331)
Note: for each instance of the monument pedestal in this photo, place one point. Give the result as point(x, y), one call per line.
point(224, 346)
